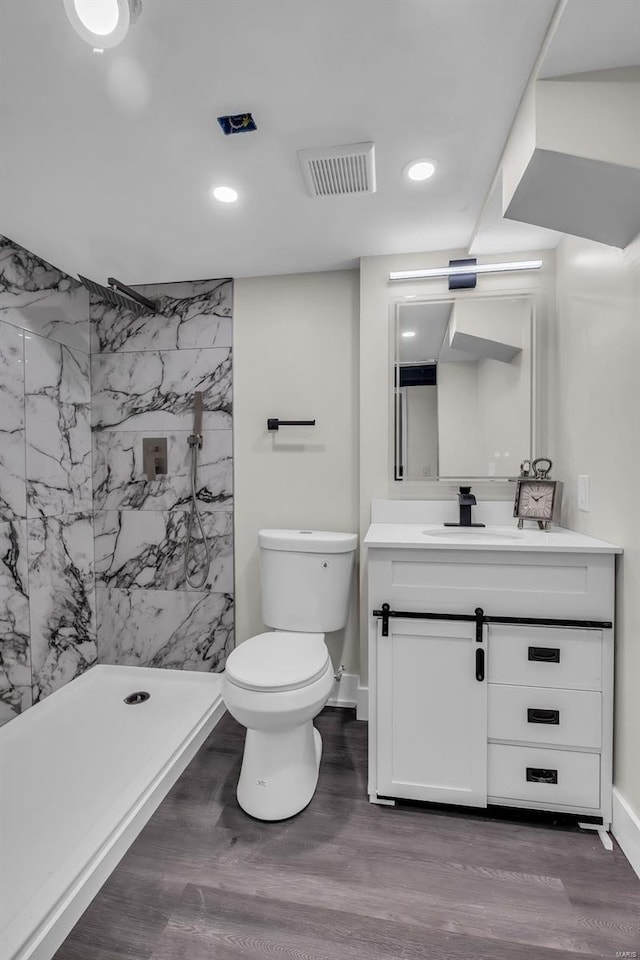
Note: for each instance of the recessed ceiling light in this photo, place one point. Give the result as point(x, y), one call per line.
point(225, 194)
point(419, 170)
point(408, 333)
point(102, 23)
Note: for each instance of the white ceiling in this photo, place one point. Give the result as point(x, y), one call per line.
point(107, 161)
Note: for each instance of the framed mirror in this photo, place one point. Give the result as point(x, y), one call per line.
point(463, 388)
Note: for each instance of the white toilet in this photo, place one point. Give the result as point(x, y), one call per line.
point(277, 682)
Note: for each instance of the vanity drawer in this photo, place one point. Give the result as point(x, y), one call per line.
point(543, 776)
point(545, 657)
point(571, 718)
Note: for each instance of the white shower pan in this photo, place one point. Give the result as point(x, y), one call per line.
point(81, 773)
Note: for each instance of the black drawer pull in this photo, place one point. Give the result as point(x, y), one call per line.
point(543, 716)
point(480, 664)
point(545, 654)
point(538, 775)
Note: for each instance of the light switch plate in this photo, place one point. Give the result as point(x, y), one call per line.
point(584, 493)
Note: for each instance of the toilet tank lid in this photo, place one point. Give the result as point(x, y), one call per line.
point(308, 541)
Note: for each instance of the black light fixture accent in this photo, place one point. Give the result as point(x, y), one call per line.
point(463, 281)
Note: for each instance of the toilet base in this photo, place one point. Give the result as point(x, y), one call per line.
point(279, 771)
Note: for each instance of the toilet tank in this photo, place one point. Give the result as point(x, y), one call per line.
point(306, 579)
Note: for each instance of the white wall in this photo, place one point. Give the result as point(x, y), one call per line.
point(596, 391)
point(295, 357)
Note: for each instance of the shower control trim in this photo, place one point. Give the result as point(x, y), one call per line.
point(154, 456)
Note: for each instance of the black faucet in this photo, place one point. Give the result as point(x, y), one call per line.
point(466, 500)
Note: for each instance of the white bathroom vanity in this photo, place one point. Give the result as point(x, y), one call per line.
point(490, 664)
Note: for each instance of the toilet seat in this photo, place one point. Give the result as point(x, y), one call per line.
point(277, 661)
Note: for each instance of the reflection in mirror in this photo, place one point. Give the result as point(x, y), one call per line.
point(463, 388)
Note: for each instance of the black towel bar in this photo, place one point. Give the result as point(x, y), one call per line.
point(273, 423)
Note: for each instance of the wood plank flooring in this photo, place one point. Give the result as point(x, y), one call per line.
point(347, 880)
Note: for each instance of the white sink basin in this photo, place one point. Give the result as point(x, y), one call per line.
point(474, 534)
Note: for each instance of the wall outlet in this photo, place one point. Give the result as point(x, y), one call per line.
point(584, 493)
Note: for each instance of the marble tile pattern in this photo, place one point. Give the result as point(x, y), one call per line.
point(119, 481)
point(153, 390)
point(193, 314)
point(171, 629)
point(61, 600)
point(13, 498)
point(145, 548)
point(37, 297)
point(145, 372)
point(47, 583)
point(15, 654)
point(58, 429)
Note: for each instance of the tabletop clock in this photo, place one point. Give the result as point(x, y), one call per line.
point(537, 496)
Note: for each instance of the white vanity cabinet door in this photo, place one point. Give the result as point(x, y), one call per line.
point(431, 713)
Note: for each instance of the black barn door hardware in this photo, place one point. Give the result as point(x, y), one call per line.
point(479, 615)
point(480, 618)
point(546, 654)
point(273, 423)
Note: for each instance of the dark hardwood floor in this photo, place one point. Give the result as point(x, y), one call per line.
point(347, 880)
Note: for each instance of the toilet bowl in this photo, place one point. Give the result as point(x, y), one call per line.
point(276, 682)
point(276, 701)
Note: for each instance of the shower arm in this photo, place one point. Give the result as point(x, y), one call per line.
point(138, 297)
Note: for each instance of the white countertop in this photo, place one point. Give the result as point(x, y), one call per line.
point(435, 536)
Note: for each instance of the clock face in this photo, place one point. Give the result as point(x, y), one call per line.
point(536, 500)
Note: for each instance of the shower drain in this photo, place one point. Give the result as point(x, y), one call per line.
point(138, 697)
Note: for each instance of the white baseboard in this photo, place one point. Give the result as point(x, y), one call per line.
point(362, 705)
point(625, 827)
point(344, 693)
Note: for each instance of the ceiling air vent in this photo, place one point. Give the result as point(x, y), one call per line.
point(339, 171)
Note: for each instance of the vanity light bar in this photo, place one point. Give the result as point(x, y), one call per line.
point(435, 272)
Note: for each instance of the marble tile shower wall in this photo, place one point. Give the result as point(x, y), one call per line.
point(145, 372)
point(47, 600)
